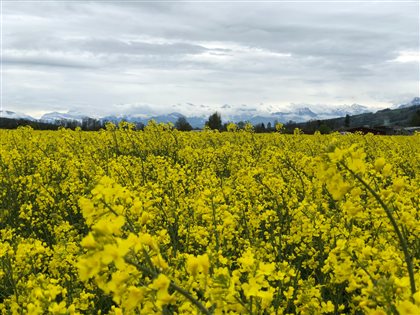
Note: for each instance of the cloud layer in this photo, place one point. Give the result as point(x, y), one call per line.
point(110, 57)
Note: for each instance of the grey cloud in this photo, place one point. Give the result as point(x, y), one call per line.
point(166, 53)
point(42, 59)
point(139, 48)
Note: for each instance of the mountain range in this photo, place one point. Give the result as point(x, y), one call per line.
point(15, 115)
point(299, 113)
point(414, 102)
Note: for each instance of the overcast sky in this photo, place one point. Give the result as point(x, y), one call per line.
point(103, 57)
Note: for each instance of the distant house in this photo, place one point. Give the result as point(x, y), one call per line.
point(412, 130)
point(387, 130)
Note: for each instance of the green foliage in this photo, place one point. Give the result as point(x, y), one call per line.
point(347, 121)
point(215, 121)
point(182, 124)
point(415, 120)
point(324, 129)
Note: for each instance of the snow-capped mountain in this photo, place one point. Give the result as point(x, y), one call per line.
point(172, 117)
point(304, 111)
point(314, 112)
point(56, 116)
point(298, 114)
point(129, 118)
point(14, 115)
point(415, 101)
point(354, 109)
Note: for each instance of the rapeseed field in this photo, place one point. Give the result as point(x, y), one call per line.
point(164, 222)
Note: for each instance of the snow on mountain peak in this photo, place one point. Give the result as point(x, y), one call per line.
point(414, 102)
point(14, 115)
point(305, 111)
point(54, 116)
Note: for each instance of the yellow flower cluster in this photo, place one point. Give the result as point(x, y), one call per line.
point(164, 222)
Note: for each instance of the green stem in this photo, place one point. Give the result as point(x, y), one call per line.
point(394, 224)
point(9, 270)
point(172, 285)
point(216, 234)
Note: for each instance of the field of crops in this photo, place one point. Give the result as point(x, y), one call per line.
point(159, 221)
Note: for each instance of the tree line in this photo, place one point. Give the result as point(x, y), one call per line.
point(214, 122)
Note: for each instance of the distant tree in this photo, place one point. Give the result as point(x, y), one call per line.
point(347, 121)
point(324, 129)
point(72, 124)
point(139, 125)
point(269, 128)
point(215, 121)
point(241, 124)
point(7, 123)
point(415, 120)
point(290, 126)
point(259, 128)
point(182, 124)
point(91, 124)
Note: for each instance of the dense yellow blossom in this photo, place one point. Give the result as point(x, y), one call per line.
point(163, 222)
